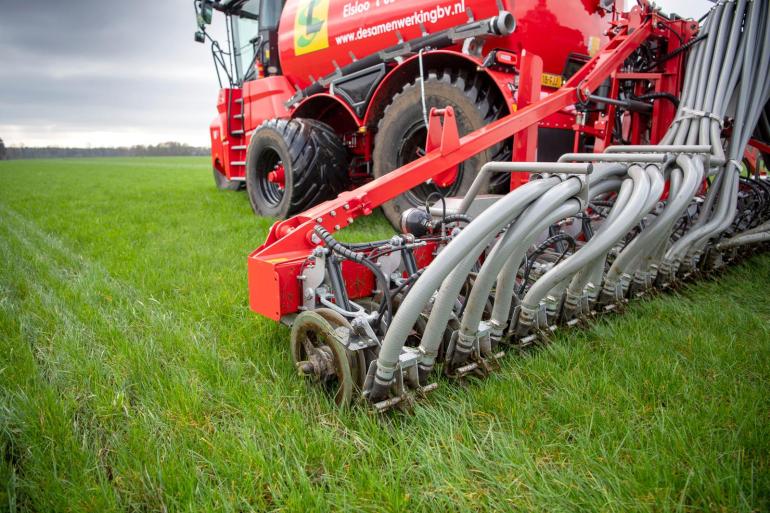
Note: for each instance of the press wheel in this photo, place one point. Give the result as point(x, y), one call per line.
point(356, 358)
point(318, 354)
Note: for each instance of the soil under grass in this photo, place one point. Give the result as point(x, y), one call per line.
point(133, 377)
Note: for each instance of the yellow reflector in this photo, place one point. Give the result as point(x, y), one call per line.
point(551, 80)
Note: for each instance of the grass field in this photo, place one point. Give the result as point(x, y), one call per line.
point(133, 377)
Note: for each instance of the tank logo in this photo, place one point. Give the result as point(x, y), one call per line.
point(311, 31)
point(593, 45)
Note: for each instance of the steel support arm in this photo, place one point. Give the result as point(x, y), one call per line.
point(292, 240)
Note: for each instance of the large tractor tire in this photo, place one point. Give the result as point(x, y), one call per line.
point(223, 184)
point(292, 165)
point(401, 132)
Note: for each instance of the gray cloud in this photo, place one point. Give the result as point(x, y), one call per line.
point(96, 72)
point(74, 72)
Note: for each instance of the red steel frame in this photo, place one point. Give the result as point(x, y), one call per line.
point(274, 268)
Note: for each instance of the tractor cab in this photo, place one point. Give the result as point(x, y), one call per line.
point(252, 38)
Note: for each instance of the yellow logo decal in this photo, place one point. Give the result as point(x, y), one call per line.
point(593, 45)
point(311, 30)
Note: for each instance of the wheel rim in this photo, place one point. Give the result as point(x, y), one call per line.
point(318, 355)
point(270, 190)
point(355, 358)
point(411, 148)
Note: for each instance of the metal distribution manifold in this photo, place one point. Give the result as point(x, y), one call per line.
point(582, 237)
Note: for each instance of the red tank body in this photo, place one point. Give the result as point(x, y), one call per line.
point(341, 29)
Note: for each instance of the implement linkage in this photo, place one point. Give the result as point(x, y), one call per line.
point(583, 237)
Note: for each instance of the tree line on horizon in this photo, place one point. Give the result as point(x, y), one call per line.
point(164, 149)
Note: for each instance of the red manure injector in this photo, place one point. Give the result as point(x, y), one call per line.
point(544, 161)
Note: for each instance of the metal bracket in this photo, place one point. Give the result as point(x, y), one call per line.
point(473, 46)
point(528, 322)
point(399, 51)
point(405, 374)
point(352, 340)
point(392, 261)
point(364, 330)
point(312, 277)
point(477, 353)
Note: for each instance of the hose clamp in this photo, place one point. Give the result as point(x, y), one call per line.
point(688, 113)
point(736, 164)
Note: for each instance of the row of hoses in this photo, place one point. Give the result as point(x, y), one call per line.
point(726, 78)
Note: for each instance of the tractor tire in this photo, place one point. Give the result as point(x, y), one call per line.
point(313, 161)
point(401, 132)
point(223, 184)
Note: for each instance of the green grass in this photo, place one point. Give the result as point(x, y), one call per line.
point(133, 377)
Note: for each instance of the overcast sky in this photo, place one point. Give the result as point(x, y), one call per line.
point(115, 73)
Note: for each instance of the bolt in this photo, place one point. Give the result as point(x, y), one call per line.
point(319, 220)
point(305, 368)
point(333, 213)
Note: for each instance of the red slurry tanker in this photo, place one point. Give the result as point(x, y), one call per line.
point(320, 96)
point(545, 161)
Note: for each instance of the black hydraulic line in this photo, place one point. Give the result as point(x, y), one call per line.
point(452, 218)
point(443, 202)
point(407, 283)
point(550, 241)
point(334, 273)
point(358, 246)
point(628, 104)
point(671, 29)
point(404, 287)
point(659, 95)
point(410, 263)
point(337, 247)
point(689, 44)
point(585, 227)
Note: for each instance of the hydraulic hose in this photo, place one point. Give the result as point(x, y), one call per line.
point(339, 248)
point(520, 236)
point(471, 319)
point(690, 173)
point(629, 254)
point(488, 222)
point(744, 239)
point(593, 271)
point(600, 243)
point(444, 302)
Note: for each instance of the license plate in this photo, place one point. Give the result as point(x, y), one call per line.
point(550, 80)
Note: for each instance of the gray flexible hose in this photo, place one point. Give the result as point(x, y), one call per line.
point(593, 272)
point(491, 220)
point(726, 78)
point(519, 236)
point(597, 245)
point(690, 174)
point(625, 260)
